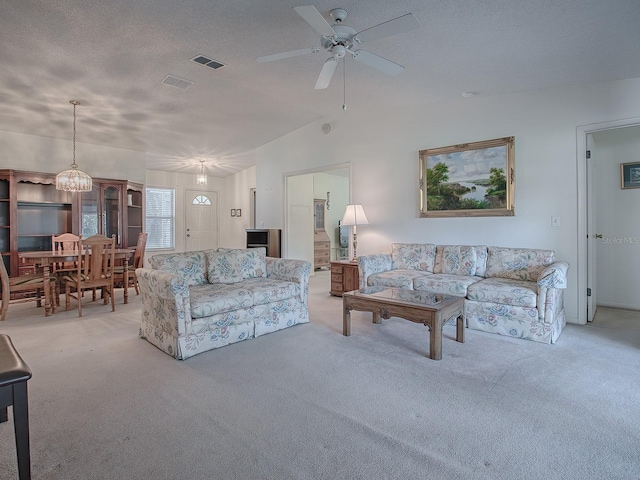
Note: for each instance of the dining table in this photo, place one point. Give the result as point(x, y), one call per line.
point(45, 258)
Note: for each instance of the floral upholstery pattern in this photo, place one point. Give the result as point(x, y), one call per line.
point(456, 260)
point(183, 317)
point(518, 263)
point(395, 278)
point(207, 300)
point(514, 291)
point(445, 284)
point(190, 265)
point(504, 291)
point(413, 256)
point(233, 266)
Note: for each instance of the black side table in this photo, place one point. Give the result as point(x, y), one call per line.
point(14, 374)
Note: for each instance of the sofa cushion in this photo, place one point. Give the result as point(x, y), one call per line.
point(189, 265)
point(504, 291)
point(445, 284)
point(413, 256)
point(268, 290)
point(208, 299)
point(395, 278)
point(518, 263)
point(456, 260)
point(232, 266)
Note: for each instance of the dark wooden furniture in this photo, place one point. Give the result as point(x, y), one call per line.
point(344, 277)
point(432, 310)
point(321, 241)
point(268, 238)
point(31, 210)
point(95, 270)
point(14, 374)
point(35, 282)
point(120, 271)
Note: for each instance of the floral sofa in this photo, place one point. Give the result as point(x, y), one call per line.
point(196, 301)
point(510, 291)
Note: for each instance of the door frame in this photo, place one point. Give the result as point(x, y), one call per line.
point(187, 205)
point(285, 206)
point(585, 219)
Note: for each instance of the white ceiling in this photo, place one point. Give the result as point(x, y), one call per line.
point(113, 55)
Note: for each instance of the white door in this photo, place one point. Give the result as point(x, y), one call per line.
point(201, 220)
point(300, 217)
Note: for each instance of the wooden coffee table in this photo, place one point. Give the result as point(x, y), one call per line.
point(432, 310)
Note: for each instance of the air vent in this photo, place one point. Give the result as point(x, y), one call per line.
point(202, 60)
point(177, 82)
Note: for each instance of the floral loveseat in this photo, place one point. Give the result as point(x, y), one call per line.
point(510, 291)
point(196, 301)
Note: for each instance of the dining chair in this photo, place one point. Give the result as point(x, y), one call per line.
point(65, 242)
point(24, 284)
point(138, 259)
point(95, 270)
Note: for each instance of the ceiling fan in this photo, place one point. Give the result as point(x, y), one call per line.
point(339, 40)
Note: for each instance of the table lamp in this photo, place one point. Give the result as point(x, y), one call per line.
point(353, 216)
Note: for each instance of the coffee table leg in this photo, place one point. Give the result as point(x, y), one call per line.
point(435, 342)
point(346, 322)
point(460, 329)
point(376, 318)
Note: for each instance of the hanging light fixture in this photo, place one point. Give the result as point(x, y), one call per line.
point(74, 180)
point(201, 178)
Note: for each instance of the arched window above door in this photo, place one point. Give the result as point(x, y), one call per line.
point(201, 200)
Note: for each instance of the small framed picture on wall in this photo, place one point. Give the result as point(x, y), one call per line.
point(630, 175)
point(238, 212)
point(233, 212)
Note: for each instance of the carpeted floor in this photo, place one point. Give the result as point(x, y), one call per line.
point(309, 403)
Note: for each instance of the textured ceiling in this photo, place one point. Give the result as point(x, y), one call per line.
point(113, 55)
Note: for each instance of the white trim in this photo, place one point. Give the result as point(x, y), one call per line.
point(581, 154)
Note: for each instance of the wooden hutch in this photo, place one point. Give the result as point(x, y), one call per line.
point(31, 210)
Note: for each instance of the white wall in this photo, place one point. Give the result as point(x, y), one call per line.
point(19, 151)
point(383, 150)
point(339, 188)
point(233, 229)
point(180, 182)
point(617, 219)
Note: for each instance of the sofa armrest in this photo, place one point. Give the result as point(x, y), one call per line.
point(554, 276)
point(290, 270)
point(370, 264)
point(165, 301)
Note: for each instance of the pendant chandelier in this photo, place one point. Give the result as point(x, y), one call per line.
point(201, 178)
point(74, 180)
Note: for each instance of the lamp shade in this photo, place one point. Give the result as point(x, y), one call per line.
point(354, 215)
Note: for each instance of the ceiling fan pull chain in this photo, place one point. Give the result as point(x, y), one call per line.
point(344, 83)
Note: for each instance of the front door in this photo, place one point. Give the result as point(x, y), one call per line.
point(201, 220)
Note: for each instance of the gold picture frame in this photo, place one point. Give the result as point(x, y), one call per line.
point(468, 180)
point(629, 175)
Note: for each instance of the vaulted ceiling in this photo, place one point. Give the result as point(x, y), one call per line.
point(113, 56)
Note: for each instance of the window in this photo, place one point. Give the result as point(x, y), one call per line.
point(160, 218)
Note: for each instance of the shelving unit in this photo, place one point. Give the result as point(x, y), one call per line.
point(5, 220)
point(135, 217)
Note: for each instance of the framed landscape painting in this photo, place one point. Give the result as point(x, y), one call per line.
point(468, 180)
point(630, 175)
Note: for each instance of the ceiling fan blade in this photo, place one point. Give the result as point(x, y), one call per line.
point(392, 27)
point(326, 73)
point(377, 62)
point(292, 53)
point(317, 21)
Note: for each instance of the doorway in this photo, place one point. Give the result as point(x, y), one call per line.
point(201, 220)
point(606, 218)
point(301, 188)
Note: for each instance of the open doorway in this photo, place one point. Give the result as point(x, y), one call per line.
point(331, 185)
point(607, 247)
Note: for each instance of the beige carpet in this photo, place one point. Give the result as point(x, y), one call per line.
point(309, 403)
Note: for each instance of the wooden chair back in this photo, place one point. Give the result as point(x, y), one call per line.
point(65, 242)
point(141, 245)
point(97, 253)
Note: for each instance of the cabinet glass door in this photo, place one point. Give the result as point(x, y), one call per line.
point(90, 212)
point(111, 213)
point(319, 214)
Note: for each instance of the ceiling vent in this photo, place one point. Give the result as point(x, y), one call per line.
point(202, 60)
point(177, 82)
